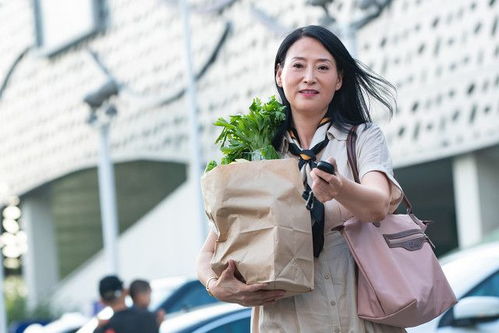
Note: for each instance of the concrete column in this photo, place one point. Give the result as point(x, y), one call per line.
point(40, 261)
point(476, 188)
point(488, 185)
point(469, 222)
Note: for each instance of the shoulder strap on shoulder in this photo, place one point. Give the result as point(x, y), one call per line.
point(352, 153)
point(352, 160)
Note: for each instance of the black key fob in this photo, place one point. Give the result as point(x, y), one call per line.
point(326, 167)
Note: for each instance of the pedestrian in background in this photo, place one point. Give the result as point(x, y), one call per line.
point(140, 292)
point(124, 319)
point(326, 92)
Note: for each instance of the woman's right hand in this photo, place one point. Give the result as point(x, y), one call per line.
point(228, 288)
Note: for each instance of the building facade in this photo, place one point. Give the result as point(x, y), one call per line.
point(444, 135)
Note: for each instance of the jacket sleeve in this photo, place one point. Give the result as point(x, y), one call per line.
point(373, 155)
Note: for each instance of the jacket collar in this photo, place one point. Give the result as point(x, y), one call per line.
point(332, 133)
point(335, 133)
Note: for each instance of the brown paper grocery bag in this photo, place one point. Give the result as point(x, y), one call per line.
point(262, 223)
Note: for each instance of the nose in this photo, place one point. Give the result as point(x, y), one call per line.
point(309, 76)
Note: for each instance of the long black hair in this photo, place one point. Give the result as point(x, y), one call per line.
point(348, 106)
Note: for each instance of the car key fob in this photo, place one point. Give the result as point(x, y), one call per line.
point(326, 167)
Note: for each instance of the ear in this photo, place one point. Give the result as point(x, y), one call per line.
point(340, 81)
point(278, 74)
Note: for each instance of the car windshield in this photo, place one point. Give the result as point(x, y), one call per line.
point(162, 289)
point(466, 267)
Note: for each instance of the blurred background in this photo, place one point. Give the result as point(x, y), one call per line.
point(106, 112)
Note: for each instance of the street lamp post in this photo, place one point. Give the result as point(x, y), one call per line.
point(101, 116)
point(3, 313)
point(194, 137)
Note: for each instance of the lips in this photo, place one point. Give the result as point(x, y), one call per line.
point(309, 91)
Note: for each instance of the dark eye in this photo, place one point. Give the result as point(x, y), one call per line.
point(297, 65)
point(323, 67)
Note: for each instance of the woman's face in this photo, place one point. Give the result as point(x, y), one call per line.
point(308, 77)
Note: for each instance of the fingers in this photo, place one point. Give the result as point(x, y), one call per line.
point(254, 294)
point(231, 267)
point(261, 297)
point(230, 289)
point(228, 273)
point(332, 161)
point(321, 188)
point(325, 186)
point(326, 177)
point(272, 296)
point(247, 295)
point(270, 300)
point(256, 287)
point(319, 175)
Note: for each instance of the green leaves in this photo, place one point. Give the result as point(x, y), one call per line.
point(250, 136)
point(210, 166)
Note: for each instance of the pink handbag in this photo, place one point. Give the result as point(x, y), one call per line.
point(400, 282)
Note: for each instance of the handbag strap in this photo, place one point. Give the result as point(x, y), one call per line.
point(352, 160)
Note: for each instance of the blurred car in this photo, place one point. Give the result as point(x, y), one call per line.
point(68, 323)
point(173, 295)
point(474, 276)
point(20, 326)
point(217, 318)
point(181, 296)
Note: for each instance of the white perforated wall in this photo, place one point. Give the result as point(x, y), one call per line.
point(442, 56)
point(444, 59)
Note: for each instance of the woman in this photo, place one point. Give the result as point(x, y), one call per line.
point(324, 90)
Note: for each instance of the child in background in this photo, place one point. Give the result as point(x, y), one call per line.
point(124, 319)
point(140, 292)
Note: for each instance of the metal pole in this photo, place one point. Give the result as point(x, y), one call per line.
point(3, 313)
point(3, 310)
point(195, 142)
point(108, 200)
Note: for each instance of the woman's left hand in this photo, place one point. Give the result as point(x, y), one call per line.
point(325, 185)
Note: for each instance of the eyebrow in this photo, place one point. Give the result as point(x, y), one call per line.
point(320, 59)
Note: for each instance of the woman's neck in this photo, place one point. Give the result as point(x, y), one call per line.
point(305, 126)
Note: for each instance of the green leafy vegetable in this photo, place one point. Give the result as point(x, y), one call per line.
point(210, 166)
point(250, 136)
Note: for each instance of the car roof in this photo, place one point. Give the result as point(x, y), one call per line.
point(169, 282)
point(199, 316)
point(466, 268)
point(237, 316)
point(68, 321)
point(165, 287)
point(480, 250)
